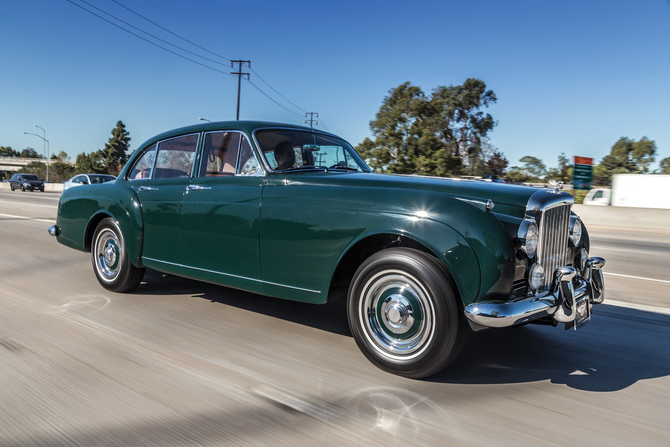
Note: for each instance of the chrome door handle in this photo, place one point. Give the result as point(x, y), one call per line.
point(196, 187)
point(147, 188)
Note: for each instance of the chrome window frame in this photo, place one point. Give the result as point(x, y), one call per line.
point(237, 157)
point(144, 151)
point(195, 153)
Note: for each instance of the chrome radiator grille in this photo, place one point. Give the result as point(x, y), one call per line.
point(553, 245)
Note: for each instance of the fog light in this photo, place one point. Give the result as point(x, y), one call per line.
point(536, 276)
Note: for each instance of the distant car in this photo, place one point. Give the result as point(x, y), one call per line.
point(493, 178)
point(598, 197)
point(87, 179)
point(26, 182)
point(293, 212)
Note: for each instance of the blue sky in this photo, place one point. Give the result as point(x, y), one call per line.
point(570, 76)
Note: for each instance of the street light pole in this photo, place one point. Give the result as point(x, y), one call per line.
point(47, 142)
point(47, 150)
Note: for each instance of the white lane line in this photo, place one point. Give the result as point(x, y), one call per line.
point(28, 204)
point(631, 250)
point(643, 307)
point(636, 277)
point(27, 218)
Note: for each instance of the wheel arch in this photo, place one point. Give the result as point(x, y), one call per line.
point(131, 229)
point(451, 250)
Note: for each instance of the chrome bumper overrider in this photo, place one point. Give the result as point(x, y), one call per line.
point(570, 293)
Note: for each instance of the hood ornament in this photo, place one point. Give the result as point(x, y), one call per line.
point(556, 185)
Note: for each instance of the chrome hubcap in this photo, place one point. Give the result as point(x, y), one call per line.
point(107, 255)
point(396, 313)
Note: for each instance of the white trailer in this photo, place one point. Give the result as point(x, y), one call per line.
point(633, 190)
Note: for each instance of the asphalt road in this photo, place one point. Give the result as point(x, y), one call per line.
point(180, 362)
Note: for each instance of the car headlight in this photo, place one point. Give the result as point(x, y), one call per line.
point(528, 237)
point(536, 276)
point(575, 230)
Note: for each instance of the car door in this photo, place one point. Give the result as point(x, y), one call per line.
point(220, 213)
point(160, 178)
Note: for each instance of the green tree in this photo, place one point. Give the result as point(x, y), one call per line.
point(497, 164)
point(29, 152)
point(8, 152)
point(115, 153)
point(562, 173)
point(92, 163)
point(440, 135)
point(665, 166)
point(626, 157)
point(36, 167)
point(59, 171)
point(533, 166)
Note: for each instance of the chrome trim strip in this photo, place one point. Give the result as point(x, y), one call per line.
point(231, 275)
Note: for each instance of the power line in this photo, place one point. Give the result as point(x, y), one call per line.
point(273, 100)
point(239, 74)
point(147, 40)
point(266, 83)
point(149, 34)
point(167, 30)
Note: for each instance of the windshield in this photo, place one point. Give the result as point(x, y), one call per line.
point(285, 149)
point(30, 177)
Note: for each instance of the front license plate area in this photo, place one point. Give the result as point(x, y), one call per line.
point(583, 314)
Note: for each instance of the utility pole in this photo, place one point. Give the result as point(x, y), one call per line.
point(311, 118)
point(239, 75)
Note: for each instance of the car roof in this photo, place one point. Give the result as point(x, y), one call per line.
point(247, 126)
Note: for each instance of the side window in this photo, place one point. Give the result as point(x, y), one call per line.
point(219, 154)
point(248, 161)
point(175, 157)
point(142, 168)
point(598, 195)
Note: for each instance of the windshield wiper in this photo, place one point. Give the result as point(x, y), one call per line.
point(307, 168)
point(343, 168)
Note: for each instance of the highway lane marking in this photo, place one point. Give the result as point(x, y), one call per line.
point(29, 204)
point(643, 307)
point(27, 218)
point(636, 277)
point(661, 252)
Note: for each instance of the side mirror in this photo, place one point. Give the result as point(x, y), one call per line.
point(84, 182)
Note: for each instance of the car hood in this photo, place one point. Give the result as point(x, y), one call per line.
point(508, 199)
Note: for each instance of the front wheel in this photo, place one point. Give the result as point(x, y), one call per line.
point(110, 259)
point(404, 314)
point(23, 188)
point(11, 187)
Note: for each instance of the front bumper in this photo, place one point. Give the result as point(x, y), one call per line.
point(569, 300)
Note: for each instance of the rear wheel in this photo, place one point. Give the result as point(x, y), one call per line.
point(404, 314)
point(110, 259)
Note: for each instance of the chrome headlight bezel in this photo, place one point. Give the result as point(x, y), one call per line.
point(575, 231)
point(529, 237)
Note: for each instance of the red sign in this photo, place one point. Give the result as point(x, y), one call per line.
point(583, 161)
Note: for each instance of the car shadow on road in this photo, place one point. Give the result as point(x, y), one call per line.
point(617, 349)
point(330, 317)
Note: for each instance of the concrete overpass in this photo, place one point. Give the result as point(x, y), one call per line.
point(16, 163)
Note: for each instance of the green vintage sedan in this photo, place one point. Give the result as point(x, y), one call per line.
point(295, 213)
